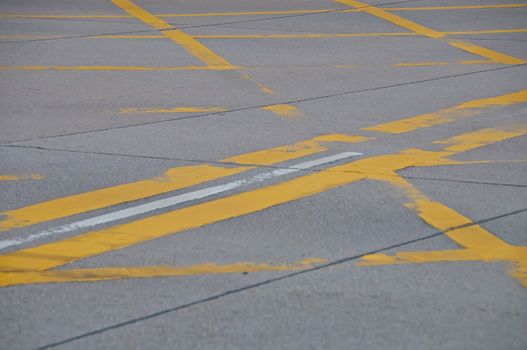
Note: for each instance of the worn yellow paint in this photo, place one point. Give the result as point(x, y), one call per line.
point(439, 63)
point(461, 7)
point(172, 180)
point(282, 154)
point(113, 273)
point(431, 33)
point(243, 13)
point(393, 18)
point(21, 177)
point(488, 31)
point(284, 110)
point(308, 36)
point(181, 38)
point(118, 68)
point(484, 52)
point(478, 243)
point(97, 242)
point(173, 110)
point(188, 42)
point(262, 13)
point(263, 88)
point(448, 115)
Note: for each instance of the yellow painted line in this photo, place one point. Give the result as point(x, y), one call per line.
point(488, 31)
point(284, 110)
point(21, 177)
point(170, 15)
point(431, 33)
point(393, 18)
point(188, 42)
point(462, 7)
point(172, 180)
point(265, 36)
point(93, 243)
point(448, 115)
point(444, 63)
point(115, 68)
point(484, 52)
point(262, 87)
point(181, 38)
point(113, 273)
point(246, 13)
point(478, 243)
point(313, 36)
point(172, 110)
point(263, 13)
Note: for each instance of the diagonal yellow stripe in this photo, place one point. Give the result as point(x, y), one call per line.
point(181, 38)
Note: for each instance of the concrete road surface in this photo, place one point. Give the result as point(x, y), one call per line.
point(293, 174)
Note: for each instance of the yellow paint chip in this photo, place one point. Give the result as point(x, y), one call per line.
point(172, 110)
point(463, 110)
point(284, 110)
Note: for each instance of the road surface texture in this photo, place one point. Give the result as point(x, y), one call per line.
point(263, 174)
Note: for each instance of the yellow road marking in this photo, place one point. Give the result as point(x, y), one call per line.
point(181, 38)
point(172, 180)
point(173, 110)
point(393, 18)
point(288, 111)
point(484, 52)
point(274, 36)
point(431, 33)
point(97, 242)
point(113, 273)
point(188, 42)
point(21, 177)
point(462, 7)
point(444, 63)
point(448, 115)
point(488, 31)
point(235, 68)
point(479, 244)
point(259, 13)
point(282, 110)
point(117, 68)
point(312, 36)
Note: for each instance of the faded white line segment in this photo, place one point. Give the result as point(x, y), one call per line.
point(174, 200)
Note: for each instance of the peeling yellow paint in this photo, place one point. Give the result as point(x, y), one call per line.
point(172, 180)
point(113, 273)
point(21, 177)
point(282, 110)
point(451, 114)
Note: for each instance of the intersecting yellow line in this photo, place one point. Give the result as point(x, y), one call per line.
point(260, 13)
point(52, 255)
point(113, 273)
point(188, 42)
point(172, 180)
point(448, 115)
point(181, 38)
point(431, 33)
point(4, 177)
point(477, 243)
point(274, 36)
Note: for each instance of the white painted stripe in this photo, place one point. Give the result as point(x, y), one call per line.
point(174, 200)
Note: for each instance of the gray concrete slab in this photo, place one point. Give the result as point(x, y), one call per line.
point(62, 133)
